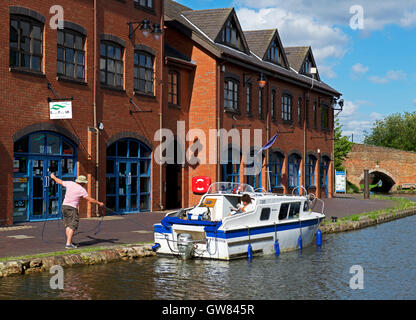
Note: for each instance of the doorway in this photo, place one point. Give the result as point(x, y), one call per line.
point(36, 197)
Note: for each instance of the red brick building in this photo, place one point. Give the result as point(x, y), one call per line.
point(219, 66)
point(125, 81)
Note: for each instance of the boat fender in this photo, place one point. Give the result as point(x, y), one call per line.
point(276, 248)
point(300, 242)
point(250, 252)
point(155, 247)
point(319, 238)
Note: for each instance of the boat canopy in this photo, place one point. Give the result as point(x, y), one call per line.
point(229, 187)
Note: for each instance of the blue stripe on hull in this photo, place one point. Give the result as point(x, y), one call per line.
point(260, 230)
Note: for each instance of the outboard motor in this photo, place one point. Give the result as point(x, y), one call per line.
point(185, 246)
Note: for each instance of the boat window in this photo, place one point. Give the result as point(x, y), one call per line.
point(294, 210)
point(283, 211)
point(265, 214)
point(305, 206)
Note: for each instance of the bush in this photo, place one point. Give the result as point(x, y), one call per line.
point(352, 188)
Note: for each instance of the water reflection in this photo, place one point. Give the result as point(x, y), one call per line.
point(385, 252)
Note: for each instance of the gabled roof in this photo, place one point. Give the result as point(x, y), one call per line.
point(260, 41)
point(297, 56)
point(202, 32)
point(212, 21)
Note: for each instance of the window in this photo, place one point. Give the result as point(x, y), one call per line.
point(71, 55)
point(230, 35)
point(323, 172)
point(294, 210)
point(26, 43)
point(284, 208)
point(314, 114)
point(273, 105)
point(324, 117)
point(144, 3)
point(273, 55)
point(173, 96)
point(111, 65)
point(293, 174)
point(231, 95)
point(275, 167)
point(310, 171)
point(254, 170)
point(231, 167)
point(143, 72)
point(307, 113)
point(306, 67)
point(265, 214)
point(261, 103)
point(286, 107)
point(300, 111)
point(248, 98)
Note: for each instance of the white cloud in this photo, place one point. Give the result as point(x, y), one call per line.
point(414, 102)
point(358, 68)
point(356, 123)
point(392, 75)
point(377, 14)
point(299, 29)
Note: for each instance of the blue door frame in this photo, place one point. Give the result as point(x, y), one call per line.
point(36, 197)
point(128, 177)
point(324, 175)
point(293, 172)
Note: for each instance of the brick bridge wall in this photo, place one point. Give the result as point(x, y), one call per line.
point(387, 163)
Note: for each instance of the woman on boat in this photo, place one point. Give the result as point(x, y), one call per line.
point(246, 207)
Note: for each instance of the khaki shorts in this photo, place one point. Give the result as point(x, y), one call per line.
point(70, 217)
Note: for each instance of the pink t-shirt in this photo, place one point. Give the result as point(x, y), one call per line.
point(74, 192)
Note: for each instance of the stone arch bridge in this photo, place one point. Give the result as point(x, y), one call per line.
point(394, 168)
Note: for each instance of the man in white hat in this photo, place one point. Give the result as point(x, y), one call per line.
point(74, 192)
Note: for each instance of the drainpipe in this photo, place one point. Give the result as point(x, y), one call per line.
point(304, 145)
point(97, 132)
point(161, 62)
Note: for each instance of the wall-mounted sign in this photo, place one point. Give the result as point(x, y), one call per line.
point(340, 182)
point(60, 110)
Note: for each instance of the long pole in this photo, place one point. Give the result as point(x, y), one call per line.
point(97, 140)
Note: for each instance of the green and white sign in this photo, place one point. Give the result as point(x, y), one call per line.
point(60, 110)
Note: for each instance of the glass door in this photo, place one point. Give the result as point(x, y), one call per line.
point(123, 174)
point(45, 193)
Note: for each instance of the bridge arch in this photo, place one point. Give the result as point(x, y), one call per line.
point(376, 175)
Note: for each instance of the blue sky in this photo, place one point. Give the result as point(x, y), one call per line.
point(374, 67)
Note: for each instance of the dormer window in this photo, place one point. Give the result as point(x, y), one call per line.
point(230, 35)
point(273, 55)
point(306, 68)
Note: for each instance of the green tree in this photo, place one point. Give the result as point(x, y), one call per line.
point(342, 146)
point(396, 131)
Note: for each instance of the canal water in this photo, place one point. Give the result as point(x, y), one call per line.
point(386, 254)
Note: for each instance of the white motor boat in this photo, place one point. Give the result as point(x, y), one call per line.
point(212, 230)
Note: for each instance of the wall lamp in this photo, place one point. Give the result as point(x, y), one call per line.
point(146, 28)
point(262, 81)
point(335, 102)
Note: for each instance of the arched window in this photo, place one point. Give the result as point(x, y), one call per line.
point(275, 167)
point(293, 172)
point(128, 176)
point(111, 64)
point(71, 54)
point(144, 72)
point(323, 173)
point(26, 43)
point(254, 170)
point(231, 169)
point(273, 55)
point(310, 171)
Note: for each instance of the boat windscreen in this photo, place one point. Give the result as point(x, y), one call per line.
point(230, 187)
